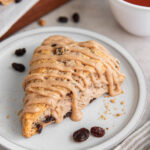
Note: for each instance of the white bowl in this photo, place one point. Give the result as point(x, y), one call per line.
point(133, 18)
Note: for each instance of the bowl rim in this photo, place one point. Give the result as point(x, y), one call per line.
point(133, 5)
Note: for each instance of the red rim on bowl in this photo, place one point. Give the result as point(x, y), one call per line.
point(134, 5)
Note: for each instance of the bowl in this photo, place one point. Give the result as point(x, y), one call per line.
point(133, 18)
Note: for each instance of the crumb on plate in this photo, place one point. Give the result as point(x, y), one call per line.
point(122, 103)
point(118, 114)
point(113, 100)
point(42, 22)
point(122, 92)
point(107, 107)
point(103, 117)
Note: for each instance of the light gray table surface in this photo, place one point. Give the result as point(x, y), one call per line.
point(96, 16)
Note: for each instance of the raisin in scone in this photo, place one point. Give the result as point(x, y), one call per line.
point(64, 77)
point(6, 2)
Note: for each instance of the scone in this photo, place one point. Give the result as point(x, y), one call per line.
point(6, 2)
point(64, 77)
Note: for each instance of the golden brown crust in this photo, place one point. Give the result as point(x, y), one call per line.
point(29, 121)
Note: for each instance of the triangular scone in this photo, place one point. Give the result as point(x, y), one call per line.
point(64, 77)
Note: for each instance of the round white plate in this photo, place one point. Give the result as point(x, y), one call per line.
point(59, 136)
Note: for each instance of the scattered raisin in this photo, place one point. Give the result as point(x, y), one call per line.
point(17, 1)
point(59, 51)
point(20, 52)
point(97, 131)
point(65, 64)
point(53, 45)
point(69, 94)
point(76, 17)
point(18, 67)
point(92, 100)
point(68, 114)
point(63, 19)
point(39, 128)
point(49, 119)
point(81, 135)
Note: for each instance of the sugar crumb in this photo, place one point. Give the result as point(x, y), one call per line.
point(122, 103)
point(107, 107)
point(122, 92)
point(118, 114)
point(42, 22)
point(113, 100)
point(103, 117)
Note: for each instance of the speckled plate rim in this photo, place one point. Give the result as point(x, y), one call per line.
point(140, 77)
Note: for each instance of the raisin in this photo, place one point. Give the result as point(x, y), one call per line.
point(18, 67)
point(76, 17)
point(69, 94)
point(49, 119)
point(97, 131)
point(68, 114)
point(20, 52)
point(65, 64)
point(53, 45)
point(81, 135)
point(63, 19)
point(39, 128)
point(59, 51)
point(17, 1)
point(92, 100)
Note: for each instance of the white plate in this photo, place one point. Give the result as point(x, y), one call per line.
point(58, 136)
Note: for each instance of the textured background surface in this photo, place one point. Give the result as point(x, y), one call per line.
point(96, 16)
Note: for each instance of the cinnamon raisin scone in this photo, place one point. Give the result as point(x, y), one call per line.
point(6, 2)
point(64, 77)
